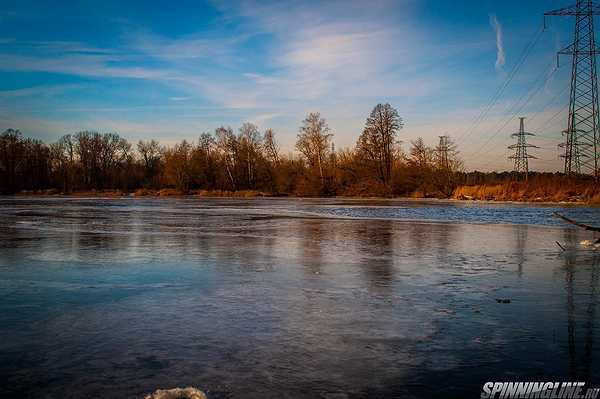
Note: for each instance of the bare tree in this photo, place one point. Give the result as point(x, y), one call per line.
point(447, 163)
point(12, 152)
point(151, 153)
point(35, 171)
point(62, 155)
point(204, 162)
point(314, 141)
point(271, 147)
point(115, 153)
point(421, 155)
point(177, 165)
point(206, 142)
point(421, 164)
point(271, 155)
point(227, 145)
point(88, 146)
point(251, 144)
point(446, 155)
point(227, 160)
point(377, 141)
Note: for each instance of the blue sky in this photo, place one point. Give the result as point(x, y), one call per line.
point(171, 70)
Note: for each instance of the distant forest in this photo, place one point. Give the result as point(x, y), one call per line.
point(248, 161)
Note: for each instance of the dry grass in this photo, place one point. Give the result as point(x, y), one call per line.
point(170, 192)
point(98, 193)
point(144, 192)
point(367, 188)
point(540, 188)
point(50, 191)
point(556, 189)
point(595, 200)
point(226, 193)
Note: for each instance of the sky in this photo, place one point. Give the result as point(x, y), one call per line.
point(172, 70)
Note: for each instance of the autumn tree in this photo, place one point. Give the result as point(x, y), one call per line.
point(376, 143)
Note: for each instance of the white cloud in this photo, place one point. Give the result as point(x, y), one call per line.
point(340, 58)
point(205, 47)
point(500, 56)
point(79, 65)
point(39, 91)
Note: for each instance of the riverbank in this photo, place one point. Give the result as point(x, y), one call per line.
point(508, 192)
point(575, 192)
point(165, 192)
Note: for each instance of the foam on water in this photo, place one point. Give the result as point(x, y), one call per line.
point(177, 393)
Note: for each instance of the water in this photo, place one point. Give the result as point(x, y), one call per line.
point(285, 298)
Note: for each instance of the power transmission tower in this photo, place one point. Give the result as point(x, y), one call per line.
point(443, 149)
point(582, 140)
point(521, 156)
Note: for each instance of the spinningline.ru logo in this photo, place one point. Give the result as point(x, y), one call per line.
point(547, 390)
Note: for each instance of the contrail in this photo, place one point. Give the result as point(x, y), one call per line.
point(499, 42)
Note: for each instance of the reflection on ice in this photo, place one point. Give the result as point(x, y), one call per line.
point(290, 298)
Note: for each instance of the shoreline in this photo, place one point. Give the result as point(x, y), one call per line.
point(215, 194)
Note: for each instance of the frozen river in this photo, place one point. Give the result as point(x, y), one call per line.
point(289, 298)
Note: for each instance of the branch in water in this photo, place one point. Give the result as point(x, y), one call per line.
point(583, 226)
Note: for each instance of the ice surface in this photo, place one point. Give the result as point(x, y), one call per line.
point(277, 298)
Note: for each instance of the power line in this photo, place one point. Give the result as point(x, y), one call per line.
point(551, 119)
point(527, 50)
point(507, 121)
point(535, 89)
point(552, 100)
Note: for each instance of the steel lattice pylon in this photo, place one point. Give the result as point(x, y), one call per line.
point(521, 156)
point(442, 152)
point(582, 146)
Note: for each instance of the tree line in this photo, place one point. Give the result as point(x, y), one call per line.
point(228, 160)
